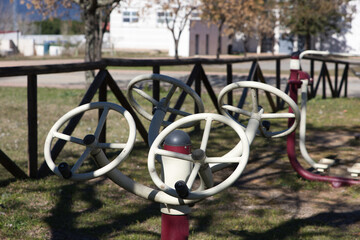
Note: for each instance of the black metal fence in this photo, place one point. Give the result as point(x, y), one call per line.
point(103, 80)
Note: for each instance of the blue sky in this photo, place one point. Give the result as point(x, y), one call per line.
point(21, 9)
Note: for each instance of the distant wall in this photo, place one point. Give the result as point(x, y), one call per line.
point(27, 47)
point(5, 46)
point(146, 34)
point(41, 39)
point(33, 45)
point(204, 39)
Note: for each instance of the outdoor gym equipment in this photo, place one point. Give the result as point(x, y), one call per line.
point(324, 163)
point(94, 148)
point(90, 142)
point(163, 104)
point(299, 78)
point(172, 149)
point(198, 158)
point(175, 205)
point(257, 111)
point(173, 159)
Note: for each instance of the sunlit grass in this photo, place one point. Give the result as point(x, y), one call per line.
point(267, 202)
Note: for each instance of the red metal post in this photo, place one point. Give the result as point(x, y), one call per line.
point(176, 226)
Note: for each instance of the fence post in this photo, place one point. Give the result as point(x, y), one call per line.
point(312, 76)
point(278, 82)
point(346, 70)
point(324, 81)
point(336, 80)
point(197, 90)
point(229, 80)
point(103, 98)
point(156, 84)
point(32, 125)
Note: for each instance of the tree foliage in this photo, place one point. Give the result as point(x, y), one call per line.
point(220, 13)
point(95, 15)
point(5, 16)
point(257, 20)
point(265, 21)
point(251, 18)
point(58, 26)
point(312, 17)
point(48, 26)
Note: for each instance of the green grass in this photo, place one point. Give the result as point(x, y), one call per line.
point(269, 201)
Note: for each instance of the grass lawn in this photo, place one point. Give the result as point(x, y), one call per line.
point(268, 201)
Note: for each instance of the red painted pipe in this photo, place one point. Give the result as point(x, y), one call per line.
point(294, 83)
point(176, 227)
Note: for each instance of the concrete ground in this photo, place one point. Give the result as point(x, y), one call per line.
point(122, 77)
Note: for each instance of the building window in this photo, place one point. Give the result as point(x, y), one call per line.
point(195, 15)
point(162, 17)
point(196, 44)
point(130, 16)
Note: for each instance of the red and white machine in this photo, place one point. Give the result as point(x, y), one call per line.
point(171, 148)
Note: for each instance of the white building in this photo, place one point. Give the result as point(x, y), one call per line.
point(132, 28)
point(139, 27)
point(348, 40)
point(38, 45)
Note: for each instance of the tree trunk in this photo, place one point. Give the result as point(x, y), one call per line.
point(245, 49)
point(258, 47)
point(296, 43)
point(93, 36)
point(274, 42)
point(308, 41)
point(176, 41)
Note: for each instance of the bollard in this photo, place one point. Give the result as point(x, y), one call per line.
point(175, 219)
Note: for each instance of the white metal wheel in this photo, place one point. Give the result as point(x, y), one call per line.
point(209, 118)
point(225, 108)
point(164, 103)
point(90, 142)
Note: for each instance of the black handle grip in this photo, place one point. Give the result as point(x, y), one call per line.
point(181, 189)
point(266, 125)
point(64, 169)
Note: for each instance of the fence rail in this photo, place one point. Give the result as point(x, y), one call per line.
point(324, 76)
point(103, 80)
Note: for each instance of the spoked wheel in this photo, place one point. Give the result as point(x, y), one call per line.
point(90, 142)
point(257, 110)
point(163, 104)
point(198, 157)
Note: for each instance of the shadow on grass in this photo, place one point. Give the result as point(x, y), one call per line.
point(202, 223)
point(63, 219)
point(293, 227)
point(338, 130)
point(6, 182)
